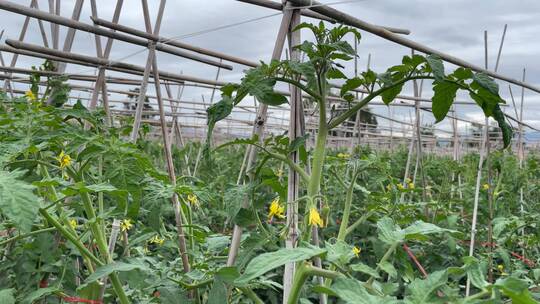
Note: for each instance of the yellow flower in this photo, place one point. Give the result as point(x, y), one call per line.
point(64, 160)
point(485, 186)
point(73, 223)
point(343, 155)
point(126, 224)
point(315, 217)
point(356, 251)
point(399, 186)
point(411, 186)
point(500, 267)
point(30, 95)
point(276, 209)
point(192, 199)
point(279, 173)
point(389, 187)
point(157, 240)
point(408, 180)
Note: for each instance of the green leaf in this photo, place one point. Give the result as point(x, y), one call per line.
point(353, 292)
point(106, 270)
point(339, 253)
point(363, 268)
point(423, 291)
point(437, 66)
point(17, 200)
point(271, 260)
point(388, 268)
point(334, 73)
point(506, 130)
point(487, 83)
point(389, 232)
point(6, 296)
point(351, 84)
point(389, 95)
point(420, 228)
point(38, 294)
point(443, 97)
point(515, 289)
point(218, 292)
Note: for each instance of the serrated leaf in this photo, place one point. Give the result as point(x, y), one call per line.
point(353, 292)
point(423, 291)
point(389, 95)
point(487, 83)
point(515, 289)
point(437, 66)
point(17, 200)
point(443, 97)
point(271, 260)
point(506, 130)
point(351, 84)
point(106, 270)
point(388, 268)
point(363, 268)
point(6, 296)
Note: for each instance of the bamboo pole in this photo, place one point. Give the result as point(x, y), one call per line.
point(258, 129)
point(172, 42)
point(70, 36)
point(308, 13)
point(59, 20)
point(165, 133)
point(100, 81)
point(478, 179)
point(293, 182)
point(149, 65)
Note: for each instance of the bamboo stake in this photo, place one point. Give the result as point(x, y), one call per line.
point(112, 243)
point(165, 134)
point(59, 20)
point(68, 42)
point(149, 64)
point(100, 81)
point(258, 129)
point(295, 130)
point(478, 180)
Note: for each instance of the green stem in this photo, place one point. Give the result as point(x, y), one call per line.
point(341, 118)
point(25, 235)
point(359, 222)
point(70, 237)
point(385, 257)
point(251, 294)
point(304, 271)
point(347, 208)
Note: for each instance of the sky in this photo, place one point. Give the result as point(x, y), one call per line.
point(243, 30)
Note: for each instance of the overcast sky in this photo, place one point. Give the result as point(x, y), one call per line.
point(454, 27)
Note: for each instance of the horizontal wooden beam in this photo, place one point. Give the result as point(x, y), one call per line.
point(312, 14)
point(41, 15)
point(172, 42)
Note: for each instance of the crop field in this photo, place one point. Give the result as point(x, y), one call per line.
point(138, 204)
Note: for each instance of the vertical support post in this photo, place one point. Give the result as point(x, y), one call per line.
point(296, 129)
point(478, 179)
point(165, 135)
point(7, 83)
point(357, 123)
point(68, 43)
point(100, 81)
point(148, 67)
point(258, 130)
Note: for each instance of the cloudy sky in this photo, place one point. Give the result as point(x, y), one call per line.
point(454, 27)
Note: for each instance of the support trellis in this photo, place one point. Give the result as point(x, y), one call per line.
point(142, 76)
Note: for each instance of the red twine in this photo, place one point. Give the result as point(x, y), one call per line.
point(80, 300)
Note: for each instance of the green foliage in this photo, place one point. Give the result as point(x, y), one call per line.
point(17, 200)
